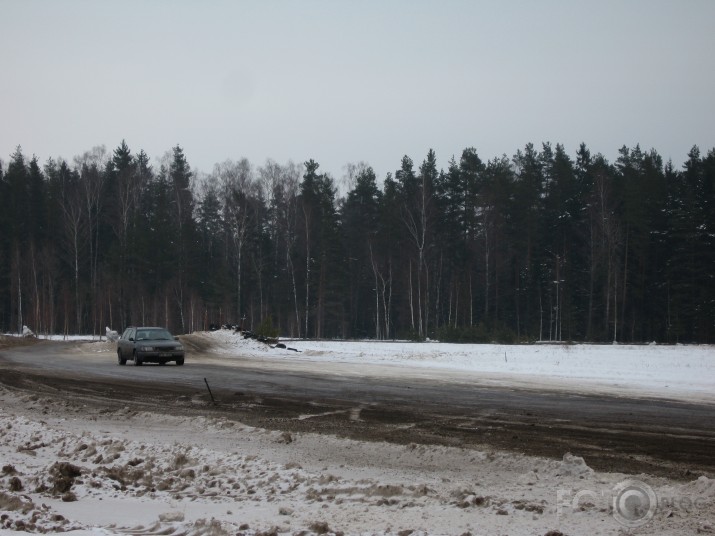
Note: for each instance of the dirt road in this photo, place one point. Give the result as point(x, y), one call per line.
point(617, 434)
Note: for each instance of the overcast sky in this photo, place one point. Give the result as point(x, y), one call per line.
point(341, 81)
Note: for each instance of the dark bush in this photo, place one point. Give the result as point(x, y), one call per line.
point(266, 330)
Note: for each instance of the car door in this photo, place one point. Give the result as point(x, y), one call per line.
point(126, 342)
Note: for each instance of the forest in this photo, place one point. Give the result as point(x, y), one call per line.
point(540, 246)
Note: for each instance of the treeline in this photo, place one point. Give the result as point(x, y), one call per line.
point(540, 246)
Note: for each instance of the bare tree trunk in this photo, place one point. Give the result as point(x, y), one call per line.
point(377, 292)
point(486, 267)
point(295, 293)
point(320, 300)
point(179, 295)
point(551, 317)
point(75, 245)
point(615, 307)
point(427, 289)
point(608, 293)
point(307, 269)
point(625, 281)
point(111, 311)
point(438, 297)
point(19, 292)
point(412, 309)
point(541, 317)
point(258, 265)
point(517, 287)
point(387, 303)
point(592, 272)
point(419, 294)
point(51, 305)
point(471, 301)
point(386, 292)
point(239, 252)
point(456, 303)
point(417, 228)
point(449, 305)
point(39, 325)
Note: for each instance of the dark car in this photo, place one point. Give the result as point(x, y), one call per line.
point(146, 344)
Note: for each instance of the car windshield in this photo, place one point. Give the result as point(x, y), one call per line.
point(153, 335)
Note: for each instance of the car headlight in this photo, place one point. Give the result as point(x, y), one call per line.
point(179, 348)
point(146, 348)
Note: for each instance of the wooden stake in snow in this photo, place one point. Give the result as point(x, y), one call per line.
point(210, 393)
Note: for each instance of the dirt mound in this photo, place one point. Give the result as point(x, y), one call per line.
point(12, 342)
point(196, 342)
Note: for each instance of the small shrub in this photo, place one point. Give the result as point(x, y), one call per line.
point(411, 335)
point(266, 329)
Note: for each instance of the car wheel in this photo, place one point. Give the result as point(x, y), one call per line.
point(137, 360)
point(120, 359)
point(180, 361)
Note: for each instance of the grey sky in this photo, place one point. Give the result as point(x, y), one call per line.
point(343, 81)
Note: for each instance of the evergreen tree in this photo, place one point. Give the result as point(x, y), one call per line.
point(4, 251)
point(528, 209)
point(16, 197)
point(183, 215)
point(540, 246)
point(690, 203)
point(360, 220)
point(212, 276)
point(323, 276)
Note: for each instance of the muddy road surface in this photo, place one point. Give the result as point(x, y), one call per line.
point(631, 435)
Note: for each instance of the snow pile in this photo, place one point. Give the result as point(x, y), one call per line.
point(112, 335)
point(573, 466)
point(654, 370)
point(702, 487)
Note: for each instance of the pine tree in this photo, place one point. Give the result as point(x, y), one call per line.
point(323, 277)
point(360, 219)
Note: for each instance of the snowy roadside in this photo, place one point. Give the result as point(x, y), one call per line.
point(685, 372)
point(89, 471)
point(67, 468)
point(670, 371)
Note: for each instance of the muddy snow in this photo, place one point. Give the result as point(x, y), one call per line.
point(68, 468)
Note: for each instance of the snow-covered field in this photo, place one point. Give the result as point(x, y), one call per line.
point(67, 468)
